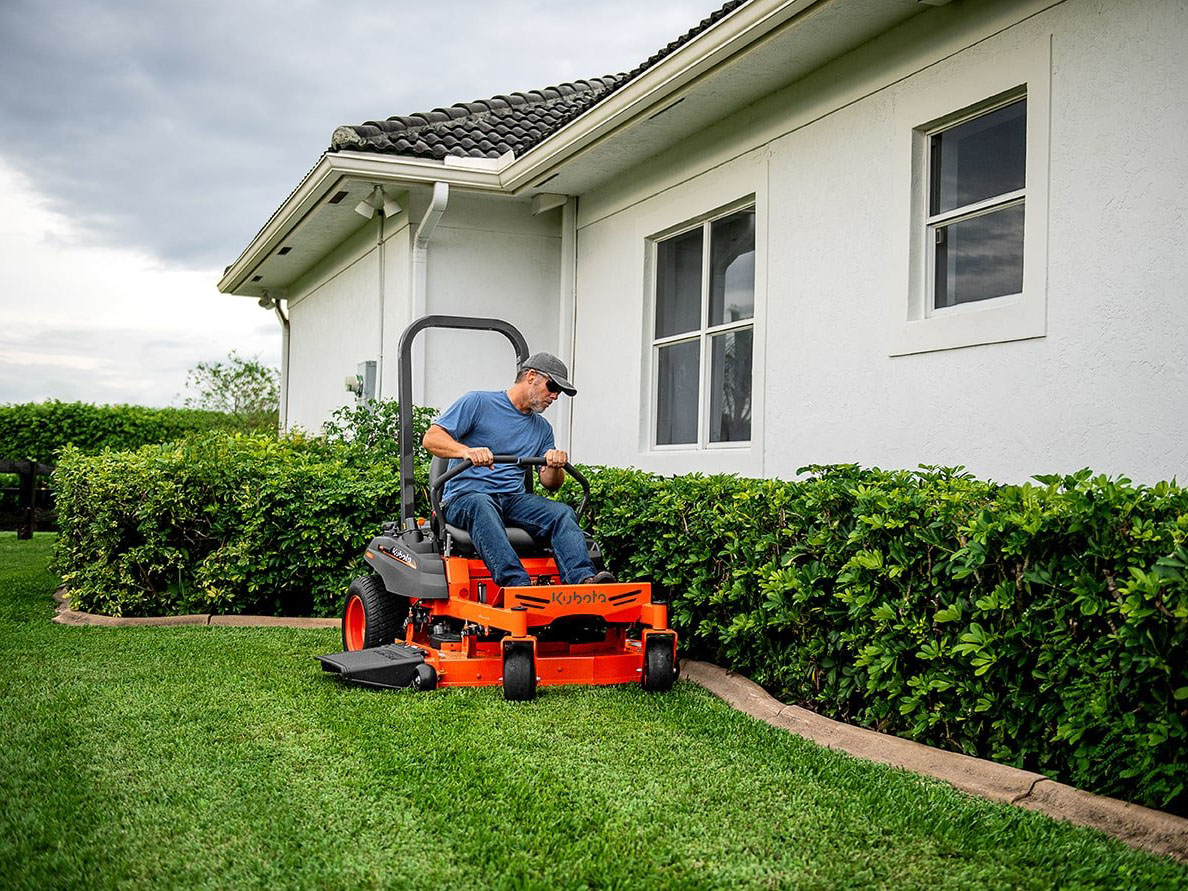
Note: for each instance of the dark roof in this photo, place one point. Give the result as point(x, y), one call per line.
point(488, 128)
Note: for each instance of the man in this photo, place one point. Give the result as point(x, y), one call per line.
point(487, 497)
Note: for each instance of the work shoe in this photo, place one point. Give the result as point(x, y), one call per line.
point(599, 578)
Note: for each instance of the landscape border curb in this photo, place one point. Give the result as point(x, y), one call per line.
point(1138, 826)
point(64, 615)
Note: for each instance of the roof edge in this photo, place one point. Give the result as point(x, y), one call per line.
point(333, 167)
point(744, 26)
point(741, 28)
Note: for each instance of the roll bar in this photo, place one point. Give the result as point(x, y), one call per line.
point(408, 519)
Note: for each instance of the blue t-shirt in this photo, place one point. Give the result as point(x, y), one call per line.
point(487, 419)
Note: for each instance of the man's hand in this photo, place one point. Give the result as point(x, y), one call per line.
point(480, 457)
point(552, 475)
point(439, 442)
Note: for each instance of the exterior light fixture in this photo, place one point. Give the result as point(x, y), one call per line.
point(364, 209)
point(378, 200)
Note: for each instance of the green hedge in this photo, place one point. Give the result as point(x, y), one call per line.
point(1044, 626)
point(231, 523)
point(1041, 626)
point(39, 430)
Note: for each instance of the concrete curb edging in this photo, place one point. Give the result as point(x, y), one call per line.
point(1138, 826)
point(66, 616)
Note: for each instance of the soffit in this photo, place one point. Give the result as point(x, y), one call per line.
point(806, 42)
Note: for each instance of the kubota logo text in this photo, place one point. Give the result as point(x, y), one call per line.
point(578, 598)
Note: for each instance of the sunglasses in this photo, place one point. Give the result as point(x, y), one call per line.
point(551, 384)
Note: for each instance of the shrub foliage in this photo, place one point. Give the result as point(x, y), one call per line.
point(38, 430)
point(230, 523)
point(1044, 626)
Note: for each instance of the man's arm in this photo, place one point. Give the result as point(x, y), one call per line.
point(439, 442)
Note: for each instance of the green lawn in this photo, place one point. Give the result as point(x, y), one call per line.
point(224, 757)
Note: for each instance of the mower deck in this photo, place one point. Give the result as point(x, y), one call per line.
point(474, 659)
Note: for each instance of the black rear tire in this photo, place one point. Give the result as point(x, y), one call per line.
point(519, 674)
point(371, 616)
point(659, 665)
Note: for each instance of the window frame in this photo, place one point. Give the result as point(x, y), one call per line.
point(702, 335)
point(962, 88)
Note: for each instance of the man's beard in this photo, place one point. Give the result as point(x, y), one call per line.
point(539, 406)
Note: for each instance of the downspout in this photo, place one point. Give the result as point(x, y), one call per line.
point(418, 305)
point(567, 314)
point(282, 414)
point(379, 249)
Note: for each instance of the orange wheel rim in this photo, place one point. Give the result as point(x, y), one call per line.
point(354, 623)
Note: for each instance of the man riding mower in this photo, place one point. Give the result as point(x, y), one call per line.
point(540, 610)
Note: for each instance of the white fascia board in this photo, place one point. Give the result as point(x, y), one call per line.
point(331, 169)
point(746, 25)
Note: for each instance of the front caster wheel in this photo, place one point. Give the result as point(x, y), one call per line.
point(660, 670)
point(519, 674)
point(425, 679)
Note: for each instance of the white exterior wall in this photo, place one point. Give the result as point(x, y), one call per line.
point(487, 257)
point(494, 259)
point(828, 162)
point(334, 324)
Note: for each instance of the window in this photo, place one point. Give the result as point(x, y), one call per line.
point(703, 333)
point(976, 183)
point(971, 169)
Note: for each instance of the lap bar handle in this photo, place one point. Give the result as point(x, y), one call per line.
point(522, 461)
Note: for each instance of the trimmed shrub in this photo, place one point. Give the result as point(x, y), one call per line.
point(222, 523)
point(1041, 626)
point(38, 430)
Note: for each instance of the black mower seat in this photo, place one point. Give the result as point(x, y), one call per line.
point(520, 540)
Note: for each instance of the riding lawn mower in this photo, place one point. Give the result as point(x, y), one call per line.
point(430, 615)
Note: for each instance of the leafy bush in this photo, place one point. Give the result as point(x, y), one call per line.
point(226, 523)
point(1041, 626)
point(38, 430)
point(245, 390)
point(372, 429)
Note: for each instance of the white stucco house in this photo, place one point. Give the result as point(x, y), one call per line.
point(888, 232)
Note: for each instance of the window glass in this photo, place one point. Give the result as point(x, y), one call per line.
point(676, 397)
point(732, 268)
point(730, 386)
point(980, 158)
point(678, 284)
point(980, 257)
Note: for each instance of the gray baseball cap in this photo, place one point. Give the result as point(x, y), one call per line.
point(553, 367)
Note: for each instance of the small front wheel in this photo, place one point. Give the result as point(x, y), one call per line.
point(660, 671)
point(425, 679)
point(519, 674)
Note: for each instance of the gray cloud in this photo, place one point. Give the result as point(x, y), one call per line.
point(141, 367)
point(179, 127)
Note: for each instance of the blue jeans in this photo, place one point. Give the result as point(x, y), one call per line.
point(484, 517)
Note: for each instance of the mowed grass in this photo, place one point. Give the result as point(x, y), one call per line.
point(222, 758)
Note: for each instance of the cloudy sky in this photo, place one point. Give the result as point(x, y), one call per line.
point(144, 142)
